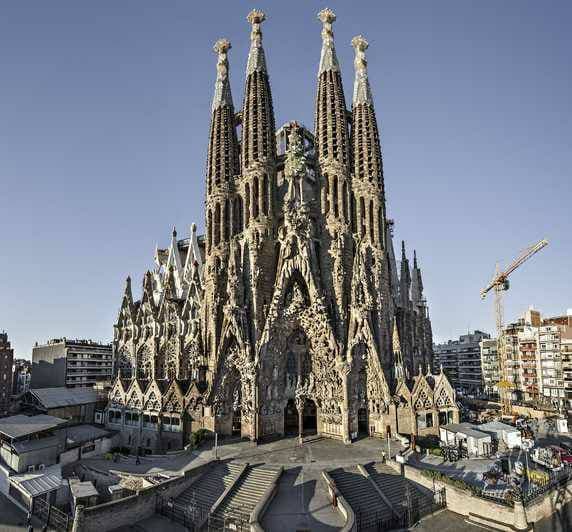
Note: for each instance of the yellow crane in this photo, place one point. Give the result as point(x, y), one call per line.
point(500, 284)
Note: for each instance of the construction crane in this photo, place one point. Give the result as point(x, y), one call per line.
point(500, 284)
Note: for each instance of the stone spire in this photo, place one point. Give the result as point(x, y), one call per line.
point(223, 146)
point(258, 129)
point(328, 58)
point(399, 367)
point(222, 95)
point(404, 279)
point(416, 283)
point(331, 128)
point(393, 276)
point(367, 161)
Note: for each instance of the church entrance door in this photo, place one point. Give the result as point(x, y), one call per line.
point(291, 418)
point(310, 417)
point(236, 422)
point(363, 428)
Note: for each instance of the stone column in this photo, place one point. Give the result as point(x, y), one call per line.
point(520, 522)
point(345, 371)
point(300, 408)
point(78, 519)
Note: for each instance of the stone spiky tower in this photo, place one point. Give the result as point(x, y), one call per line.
point(290, 315)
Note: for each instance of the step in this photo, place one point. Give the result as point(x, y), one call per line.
point(359, 493)
point(211, 485)
point(248, 491)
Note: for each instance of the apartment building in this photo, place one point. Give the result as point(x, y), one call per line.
point(490, 365)
point(538, 359)
point(71, 363)
point(461, 362)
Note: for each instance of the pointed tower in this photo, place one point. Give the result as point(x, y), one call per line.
point(222, 167)
point(258, 179)
point(332, 149)
point(416, 284)
point(398, 365)
point(367, 166)
point(404, 280)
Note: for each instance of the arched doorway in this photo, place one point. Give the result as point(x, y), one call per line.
point(310, 416)
point(363, 425)
point(291, 418)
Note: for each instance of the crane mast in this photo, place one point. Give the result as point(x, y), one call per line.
point(500, 284)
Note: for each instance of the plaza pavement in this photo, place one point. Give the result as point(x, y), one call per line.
point(302, 501)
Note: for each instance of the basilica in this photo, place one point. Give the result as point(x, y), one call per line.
point(290, 314)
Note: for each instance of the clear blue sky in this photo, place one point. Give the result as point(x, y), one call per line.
point(104, 123)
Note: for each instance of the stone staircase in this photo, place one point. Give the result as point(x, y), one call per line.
point(361, 495)
point(394, 487)
point(247, 492)
point(206, 491)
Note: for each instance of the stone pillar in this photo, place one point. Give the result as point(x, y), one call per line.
point(520, 522)
point(346, 405)
point(78, 519)
point(300, 408)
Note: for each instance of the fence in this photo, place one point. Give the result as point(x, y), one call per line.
point(53, 516)
point(415, 507)
point(195, 517)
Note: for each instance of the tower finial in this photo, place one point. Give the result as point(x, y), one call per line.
point(362, 91)
point(328, 59)
point(256, 60)
point(223, 95)
point(403, 248)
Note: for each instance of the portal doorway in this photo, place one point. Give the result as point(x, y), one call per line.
point(363, 426)
point(236, 422)
point(310, 416)
point(291, 418)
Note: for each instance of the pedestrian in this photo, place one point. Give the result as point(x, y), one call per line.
point(137, 460)
point(29, 519)
point(45, 528)
point(383, 457)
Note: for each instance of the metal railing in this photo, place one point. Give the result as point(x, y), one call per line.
point(415, 507)
point(55, 518)
point(194, 516)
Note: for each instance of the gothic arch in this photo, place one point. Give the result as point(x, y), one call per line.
point(144, 363)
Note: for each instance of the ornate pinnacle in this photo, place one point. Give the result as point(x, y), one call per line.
point(362, 92)
point(256, 60)
point(222, 46)
point(328, 59)
point(256, 16)
point(222, 94)
point(327, 16)
point(360, 43)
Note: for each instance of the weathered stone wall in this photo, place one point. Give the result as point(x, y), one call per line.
point(461, 501)
point(130, 510)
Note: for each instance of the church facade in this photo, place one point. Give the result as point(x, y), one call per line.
point(289, 315)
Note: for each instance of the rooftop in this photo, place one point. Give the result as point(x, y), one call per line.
point(496, 426)
point(59, 397)
point(467, 429)
point(39, 482)
point(20, 425)
point(83, 433)
point(80, 490)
